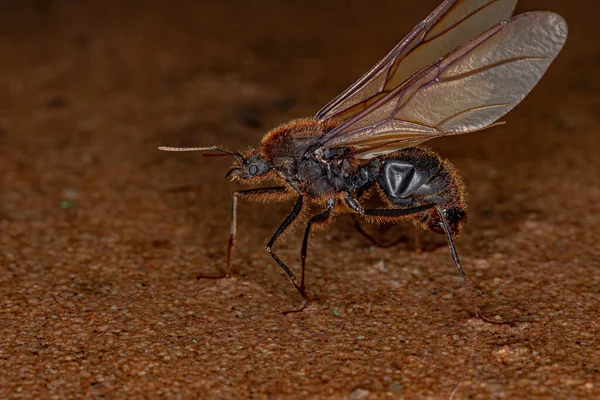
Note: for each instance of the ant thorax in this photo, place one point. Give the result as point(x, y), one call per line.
point(293, 152)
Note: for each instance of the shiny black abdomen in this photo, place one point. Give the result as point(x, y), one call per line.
point(413, 177)
point(416, 176)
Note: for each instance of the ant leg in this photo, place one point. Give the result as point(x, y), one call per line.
point(319, 218)
point(370, 237)
point(462, 271)
point(384, 212)
point(276, 191)
point(354, 205)
point(381, 212)
point(361, 230)
point(284, 225)
point(420, 247)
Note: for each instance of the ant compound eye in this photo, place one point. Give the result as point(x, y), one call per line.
point(255, 166)
point(253, 170)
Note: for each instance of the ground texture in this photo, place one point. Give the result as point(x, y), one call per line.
point(102, 236)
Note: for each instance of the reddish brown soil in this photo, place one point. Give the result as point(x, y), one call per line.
point(99, 257)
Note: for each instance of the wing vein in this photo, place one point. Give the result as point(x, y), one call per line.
point(489, 67)
point(466, 17)
point(468, 110)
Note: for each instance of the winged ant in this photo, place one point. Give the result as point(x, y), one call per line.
point(458, 71)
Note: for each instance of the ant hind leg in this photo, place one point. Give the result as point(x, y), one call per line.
point(372, 239)
point(456, 260)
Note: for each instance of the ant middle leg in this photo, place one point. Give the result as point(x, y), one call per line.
point(284, 225)
point(321, 219)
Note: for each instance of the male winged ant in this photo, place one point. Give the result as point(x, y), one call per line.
point(458, 71)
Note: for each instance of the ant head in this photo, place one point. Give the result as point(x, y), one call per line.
point(249, 168)
point(243, 168)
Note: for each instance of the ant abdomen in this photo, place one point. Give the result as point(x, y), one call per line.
point(417, 176)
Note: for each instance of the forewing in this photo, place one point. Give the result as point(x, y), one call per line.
point(449, 25)
point(466, 91)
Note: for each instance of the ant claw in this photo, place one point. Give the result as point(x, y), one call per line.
point(223, 276)
point(303, 305)
point(491, 321)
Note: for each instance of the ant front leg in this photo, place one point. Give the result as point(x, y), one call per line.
point(275, 193)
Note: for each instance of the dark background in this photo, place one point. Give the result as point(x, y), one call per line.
point(102, 236)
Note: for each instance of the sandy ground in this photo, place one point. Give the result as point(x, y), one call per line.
point(102, 236)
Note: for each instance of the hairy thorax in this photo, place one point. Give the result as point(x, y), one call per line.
point(290, 149)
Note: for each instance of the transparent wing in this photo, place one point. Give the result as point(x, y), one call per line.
point(466, 91)
point(449, 25)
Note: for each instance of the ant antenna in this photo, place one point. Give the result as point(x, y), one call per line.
point(238, 156)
